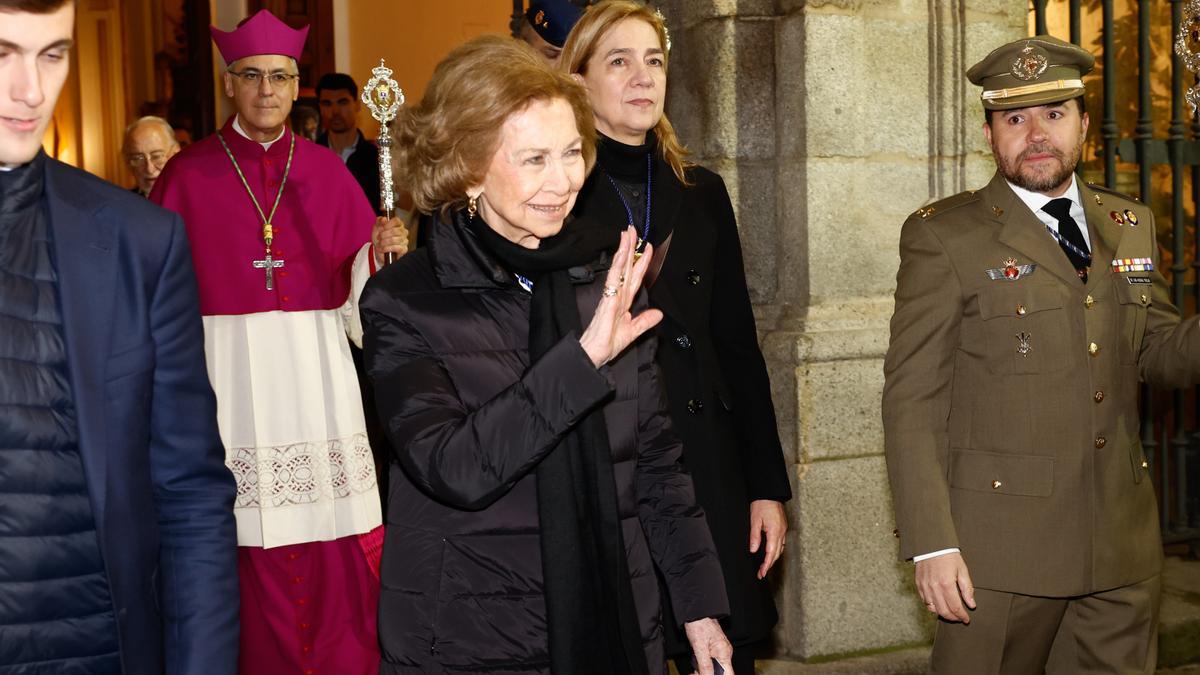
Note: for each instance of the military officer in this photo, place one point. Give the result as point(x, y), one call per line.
point(546, 26)
point(1026, 314)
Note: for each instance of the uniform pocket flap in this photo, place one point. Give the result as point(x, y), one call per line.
point(1018, 301)
point(1132, 294)
point(1002, 473)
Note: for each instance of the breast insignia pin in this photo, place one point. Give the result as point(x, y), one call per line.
point(1023, 346)
point(1011, 270)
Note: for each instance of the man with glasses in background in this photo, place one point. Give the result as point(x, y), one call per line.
point(278, 228)
point(149, 143)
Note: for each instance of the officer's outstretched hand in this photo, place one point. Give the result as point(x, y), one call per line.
point(945, 586)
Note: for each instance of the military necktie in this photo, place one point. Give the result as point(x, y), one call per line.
point(1070, 239)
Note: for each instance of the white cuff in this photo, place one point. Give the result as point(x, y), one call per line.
point(927, 556)
point(360, 272)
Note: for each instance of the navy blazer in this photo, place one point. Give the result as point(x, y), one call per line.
point(160, 492)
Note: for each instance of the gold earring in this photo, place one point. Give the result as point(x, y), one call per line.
point(472, 207)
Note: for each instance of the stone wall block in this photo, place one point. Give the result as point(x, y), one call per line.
point(854, 212)
point(853, 591)
point(751, 185)
point(839, 408)
point(690, 12)
point(867, 86)
point(790, 87)
point(722, 101)
point(791, 199)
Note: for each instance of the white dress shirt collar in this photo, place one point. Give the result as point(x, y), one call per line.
point(1036, 200)
point(237, 126)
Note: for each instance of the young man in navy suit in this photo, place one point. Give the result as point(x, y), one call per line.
point(115, 503)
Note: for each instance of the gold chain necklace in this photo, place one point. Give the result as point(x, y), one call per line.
point(268, 264)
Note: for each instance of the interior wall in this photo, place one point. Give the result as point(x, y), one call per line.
point(413, 36)
point(99, 65)
point(225, 15)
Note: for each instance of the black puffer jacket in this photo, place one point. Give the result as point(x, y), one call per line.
point(446, 333)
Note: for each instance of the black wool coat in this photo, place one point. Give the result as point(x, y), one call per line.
point(446, 336)
point(712, 368)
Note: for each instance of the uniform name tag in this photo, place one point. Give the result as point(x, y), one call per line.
point(1138, 280)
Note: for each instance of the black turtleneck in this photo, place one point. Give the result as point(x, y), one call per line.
point(626, 166)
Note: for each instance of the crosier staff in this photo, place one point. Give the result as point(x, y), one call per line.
point(383, 96)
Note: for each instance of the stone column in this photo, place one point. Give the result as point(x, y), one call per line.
point(831, 121)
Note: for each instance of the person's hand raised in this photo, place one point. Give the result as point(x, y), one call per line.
point(613, 327)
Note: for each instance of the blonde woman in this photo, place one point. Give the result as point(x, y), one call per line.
point(713, 371)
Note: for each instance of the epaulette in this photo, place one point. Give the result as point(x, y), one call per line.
point(1114, 193)
point(949, 203)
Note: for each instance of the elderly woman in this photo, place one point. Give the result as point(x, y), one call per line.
point(712, 369)
point(536, 483)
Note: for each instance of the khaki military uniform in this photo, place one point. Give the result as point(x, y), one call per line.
point(1011, 403)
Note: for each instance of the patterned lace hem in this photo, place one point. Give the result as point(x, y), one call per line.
point(302, 473)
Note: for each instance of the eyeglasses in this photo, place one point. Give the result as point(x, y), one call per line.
point(156, 158)
point(252, 78)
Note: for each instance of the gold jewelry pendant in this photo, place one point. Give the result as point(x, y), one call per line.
point(639, 249)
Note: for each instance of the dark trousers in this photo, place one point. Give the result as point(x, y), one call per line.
point(1110, 632)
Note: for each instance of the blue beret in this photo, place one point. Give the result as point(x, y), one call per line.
point(553, 19)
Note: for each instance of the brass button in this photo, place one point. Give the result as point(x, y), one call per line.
point(1098, 397)
point(996, 484)
point(1089, 301)
point(1101, 442)
point(1093, 349)
point(1144, 299)
point(1020, 310)
point(1145, 464)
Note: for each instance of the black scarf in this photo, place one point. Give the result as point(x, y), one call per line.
point(591, 616)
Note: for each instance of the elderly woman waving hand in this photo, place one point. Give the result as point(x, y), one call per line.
point(536, 482)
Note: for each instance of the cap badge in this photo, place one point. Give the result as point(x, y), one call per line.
point(1029, 65)
point(540, 18)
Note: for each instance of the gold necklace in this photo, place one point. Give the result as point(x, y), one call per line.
point(268, 264)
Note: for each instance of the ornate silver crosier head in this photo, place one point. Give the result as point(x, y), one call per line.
point(382, 95)
point(1187, 47)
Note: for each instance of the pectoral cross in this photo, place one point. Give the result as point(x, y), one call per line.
point(268, 264)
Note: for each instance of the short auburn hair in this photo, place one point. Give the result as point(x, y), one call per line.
point(445, 144)
point(581, 45)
